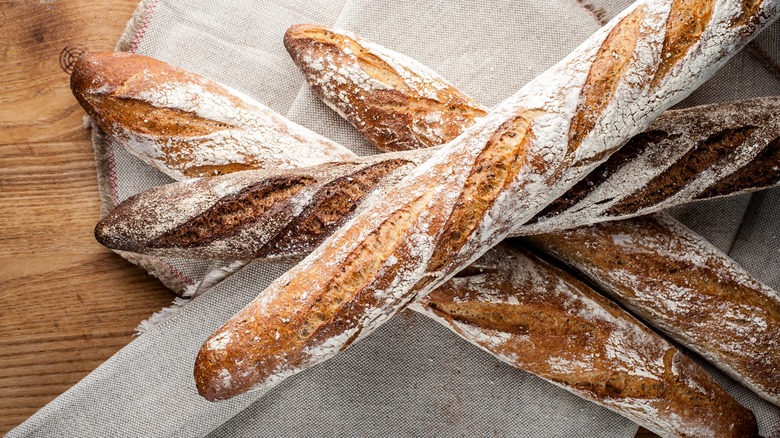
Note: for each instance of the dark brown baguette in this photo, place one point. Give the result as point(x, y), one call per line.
point(251, 214)
point(539, 318)
point(694, 293)
point(726, 149)
point(476, 189)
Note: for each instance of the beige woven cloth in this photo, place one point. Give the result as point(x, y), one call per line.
point(412, 377)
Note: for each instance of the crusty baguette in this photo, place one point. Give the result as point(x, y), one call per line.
point(694, 293)
point(186, 125)
point(685, 156)
point(251, 214)
point(477, 188)
point(692, 149)
point(395, 102)
point(538, 318)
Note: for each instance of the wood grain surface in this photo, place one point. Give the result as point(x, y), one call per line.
point(66, 303)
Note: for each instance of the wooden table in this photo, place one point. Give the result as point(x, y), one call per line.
point(66, 303)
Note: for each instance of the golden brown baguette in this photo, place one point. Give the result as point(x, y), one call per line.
point(395, 102)
point(694, 293)
point(539, 318)
point(476, 189)
point(186, 125)
point(681, 154)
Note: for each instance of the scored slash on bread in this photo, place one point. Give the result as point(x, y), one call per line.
point(515, 160)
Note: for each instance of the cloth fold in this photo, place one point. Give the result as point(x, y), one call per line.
point(411, 377)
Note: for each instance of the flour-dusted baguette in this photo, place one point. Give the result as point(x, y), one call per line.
point(476, 189)
point(695, 293)
point(251, 214)
point(539, 318)
point(716, 149)
point(394, 101)
point(686, 155)
point(186, 125)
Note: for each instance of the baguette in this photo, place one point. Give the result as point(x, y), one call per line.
point(538, 318)
point(251, 214)
point(395, 102)
point(188, 126)
point(703, 145)
point(476, 189)
point(695, 294)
